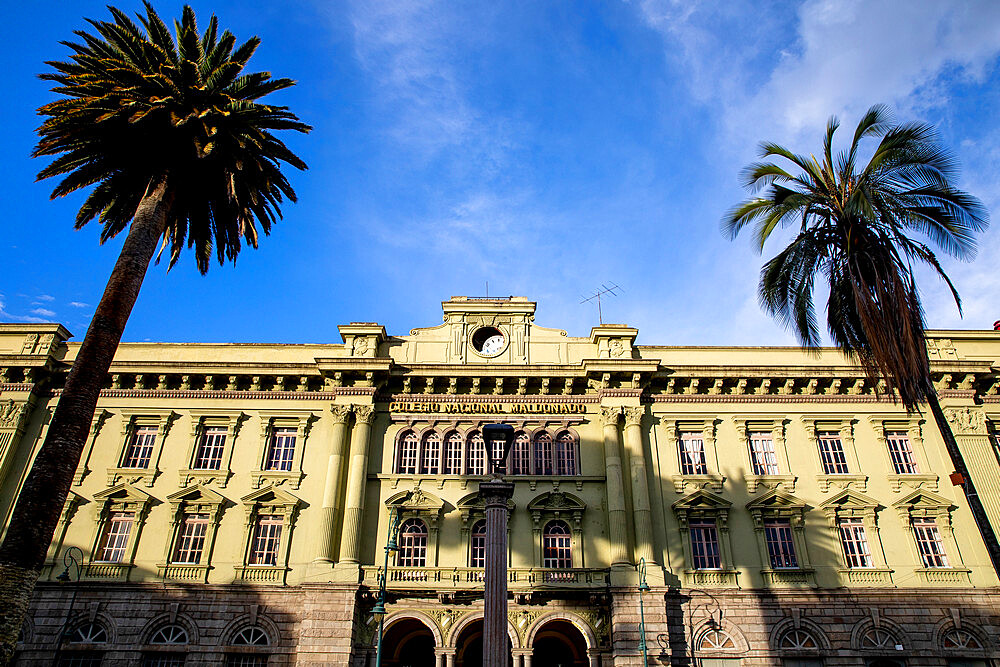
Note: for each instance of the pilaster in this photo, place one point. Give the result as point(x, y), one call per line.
point(615, 487)
point(325, 548)
point(350, 545)
point(641, 510)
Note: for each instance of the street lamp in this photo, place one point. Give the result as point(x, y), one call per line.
point(72, 557)
point(496, 493)
point(643, 587)
point(379, 609)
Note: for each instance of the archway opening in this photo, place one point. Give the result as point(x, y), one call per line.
point(409, 643)
point(469, 646)
point(559, 644)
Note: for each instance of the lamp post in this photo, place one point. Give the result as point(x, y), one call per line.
point(496, 493)
point(379, 609)
point(643, 587)
point(72, 557)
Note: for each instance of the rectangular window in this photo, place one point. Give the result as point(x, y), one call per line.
point(831, 452)
point(266, 536)
point(246, 660)
point(281, 449)
point(705, 545)
point(762, 457)
point(901, 453)
point(453, 455)
point(431, 454)
point(855, 543)
point(115, 538)
point(191, 539)
point(691, 448)
point(477, 456)
point(929, 543)
point(780, 545)
point(565, 463)
point(81, 659)
point(163, 660)
point(210, 446)
point(140, 447)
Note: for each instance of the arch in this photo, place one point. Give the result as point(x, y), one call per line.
point(576, 621)
point(430, 453)
point(475, 454)
point(542, 452)
point(465, 621)
point(557, 549)
point(88, 631)
point(566, 453)
point(861, 641)
point(412, 541)
point(418, 616)
point(701, 634)
point(519, 462)
point(407, 453)
point(158, 622)
point(967, 638)
point(477, 544)
point(453, 464)
point(780, 629)
point(239, 623)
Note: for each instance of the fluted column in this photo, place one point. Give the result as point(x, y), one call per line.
point(969, 427)
point(325, 550)
point(641, 509)
point(615, 487)
point(354, 507)
point(495, 493)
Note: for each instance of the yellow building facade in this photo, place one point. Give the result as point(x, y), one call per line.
point(734, 506)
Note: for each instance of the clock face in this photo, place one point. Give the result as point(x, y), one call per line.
point(489, 341)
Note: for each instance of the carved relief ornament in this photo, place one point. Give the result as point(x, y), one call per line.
point(966, 421)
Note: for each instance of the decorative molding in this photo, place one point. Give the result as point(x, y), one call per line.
point(966, 421)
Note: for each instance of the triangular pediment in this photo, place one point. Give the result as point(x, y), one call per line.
point(557, 500)
point(848, 498)
point(195, 494)
point(415, 499)
point(775, 500)
point(123, 491)
point(702, 499)
point(923, 498)
point(270, 496)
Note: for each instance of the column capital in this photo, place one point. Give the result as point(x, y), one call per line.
point(341, 413)
point(364, 413)
point(610, 415)
point(633, 416)
point(496, 492)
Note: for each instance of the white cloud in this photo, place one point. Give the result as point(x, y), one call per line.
point(4, 315)
point(45, 297)
point(78, 304)
point(43, 312)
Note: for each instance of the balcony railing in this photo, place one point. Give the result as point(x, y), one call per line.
point(472, 577)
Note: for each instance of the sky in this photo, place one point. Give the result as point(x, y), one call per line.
point(544, 148)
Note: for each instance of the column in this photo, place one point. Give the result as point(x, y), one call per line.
point(496, 493)
point(615, 487)
point(973, 439)
point(325, 550)
point(444, 657)
point(641, 510)
point(350, 544)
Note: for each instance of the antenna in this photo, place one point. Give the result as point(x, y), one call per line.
point(605, 289)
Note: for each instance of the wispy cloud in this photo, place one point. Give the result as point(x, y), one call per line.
point(5, 315)
point(45, 297)
point(78, 304)
point(43, 312)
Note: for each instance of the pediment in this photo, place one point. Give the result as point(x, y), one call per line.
point(474, 502)
point(923, 498)
point(415, 499)
point(775, 500)
point(196, 493)
point(557, 501)
point(270, 496)
point(702, 499)
point(848, 498)
point(123, 491)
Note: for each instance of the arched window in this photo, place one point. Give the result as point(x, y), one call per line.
point(956, 638)
point(406, 457)
point(251, 636)
point(520, 455)
point(556, 550)
point(412, 544)
point(797, 640)
point(476, 455)
point(430, 457)
point(566, 459)
point(716, 640)
point(477, 545)
point(453, 454)
point(89, 633)
point(543, 454)
point(169, 634)
point(877, 638)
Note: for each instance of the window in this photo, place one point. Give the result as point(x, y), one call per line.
point(170, 634)
point(210, 447)
point(543, 454)
point(80, 659)
point(251, 636)
point(412, 544)
point(762, 457)
point(244, 660)
point(430, 458)
point(163, 660)
point(956, 638)
point(477, 545)
point(496, 452)
point(831, 453)
point(556, 550)
point(520, 455)
point(565, 463)
point(89, 633)
point(406, 458)
point(878, 638)
point(140, 447)
point(801, 662)
point(901, 453)
point(929, 543)
point(281, 449)
point(705, 545)
point(453, 454)
point(476, 464)
point(691, 449)
point(797, 640)
point(115, 537)
point(855, 543)
point(780, 545)
point(715, 640)
point(248, 637)
point(264, 543)
point(191, 539)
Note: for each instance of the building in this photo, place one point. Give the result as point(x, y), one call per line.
point(233, 501)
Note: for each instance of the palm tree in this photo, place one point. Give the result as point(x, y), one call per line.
point(860, 229)
point(172, 138)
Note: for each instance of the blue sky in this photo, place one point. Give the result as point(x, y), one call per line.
point(544, 147)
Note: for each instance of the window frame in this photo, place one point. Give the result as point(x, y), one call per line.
point(783, 479)
point(270, 420)
point(820, 425)
point(564, 547)
point(912, 427)
point(201, 421)
point(683, 483)
point(270, 501)
point(131, 421)
point(192, 500)
point(120, 498)
point(705, 506)
point(770, 508)
point(851, 505)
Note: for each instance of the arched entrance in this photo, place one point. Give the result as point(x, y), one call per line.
point(469, 646)
point(408, 642)
point(559, 643)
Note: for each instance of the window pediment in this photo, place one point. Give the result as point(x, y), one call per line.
point(776, 500)
point(272, 497)
point(123, 493)
point(848, 498)
point(416, 499)
point(196, 496)
point(922, 499)
point(702, 500)
point(556, 501)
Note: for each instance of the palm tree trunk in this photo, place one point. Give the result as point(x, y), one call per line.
point(44, 492)
point(975, 504)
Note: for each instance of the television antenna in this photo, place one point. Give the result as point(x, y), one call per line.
point(605, 290)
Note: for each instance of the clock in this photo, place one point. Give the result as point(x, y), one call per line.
point(489, 341)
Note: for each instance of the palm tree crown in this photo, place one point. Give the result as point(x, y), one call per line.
point(860, 229)
point(139, 107)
